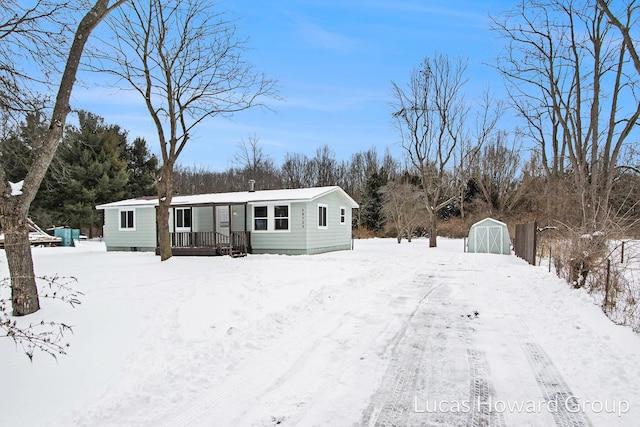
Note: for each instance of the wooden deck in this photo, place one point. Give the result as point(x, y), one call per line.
point(192, 251)
point(209, 243)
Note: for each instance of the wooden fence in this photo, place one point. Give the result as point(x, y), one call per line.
point(524, 244)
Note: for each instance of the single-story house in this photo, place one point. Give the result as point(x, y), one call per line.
point(489, 236)
point(290, 221)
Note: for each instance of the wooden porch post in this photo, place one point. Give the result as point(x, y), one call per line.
point(215, 231)
point(244, 239)
point(230, 231)
point(193, 239)
point(173, 226)
point(157, 238)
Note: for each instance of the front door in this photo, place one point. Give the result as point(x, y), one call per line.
point(222, 220)
point(182, 220)
point(182, 227)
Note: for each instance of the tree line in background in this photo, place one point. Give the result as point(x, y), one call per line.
point(458, 165)
point(571, 69)
point(96, 163)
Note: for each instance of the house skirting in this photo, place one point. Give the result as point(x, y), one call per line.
point(305, 251)
point(212, 251)
point(129, 249)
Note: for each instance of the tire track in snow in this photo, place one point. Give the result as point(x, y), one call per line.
point(405, 373)
point(261, 371)
point(393, 403)
point(482, 393)
point(565, 409)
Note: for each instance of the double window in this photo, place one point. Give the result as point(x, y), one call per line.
point(271, 218)
point(127, 220)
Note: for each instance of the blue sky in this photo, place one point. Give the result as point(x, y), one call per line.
point(334, 61)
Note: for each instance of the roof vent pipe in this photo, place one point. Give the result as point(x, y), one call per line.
point(252, 185)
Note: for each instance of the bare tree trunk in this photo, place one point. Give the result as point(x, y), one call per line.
point(14, 208)
point(433, 230)
point(165, 195)
point(24, 293)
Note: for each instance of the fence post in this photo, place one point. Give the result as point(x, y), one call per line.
point(622, 254)
point(606, 286)
point(541, 253)
point(549, 258)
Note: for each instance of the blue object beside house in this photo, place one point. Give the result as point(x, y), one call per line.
point(290, 221)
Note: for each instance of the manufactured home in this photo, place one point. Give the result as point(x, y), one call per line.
point(291, 221)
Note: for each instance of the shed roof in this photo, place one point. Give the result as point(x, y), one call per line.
point(488, 221)
point(292, 194)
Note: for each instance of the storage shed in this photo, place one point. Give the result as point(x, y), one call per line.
point(489, 236)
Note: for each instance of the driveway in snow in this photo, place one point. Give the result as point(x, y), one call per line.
point(385, 335)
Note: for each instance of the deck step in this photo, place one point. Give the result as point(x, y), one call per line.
point(225, 250)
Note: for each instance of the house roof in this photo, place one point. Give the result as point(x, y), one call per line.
point(293, 194)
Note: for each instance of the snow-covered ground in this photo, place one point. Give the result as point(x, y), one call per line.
point(384, 334)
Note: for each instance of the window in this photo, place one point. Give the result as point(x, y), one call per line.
point(343, 215)
point(127, 220)
point(272, 217)
point(322, 216)
point(183, 218)
point(281, 214)
point(260, 218)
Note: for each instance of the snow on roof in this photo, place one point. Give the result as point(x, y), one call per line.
point(293, 194)
point(490, 220)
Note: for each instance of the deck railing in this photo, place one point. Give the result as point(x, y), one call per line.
point(192, 239)
point(237, 241)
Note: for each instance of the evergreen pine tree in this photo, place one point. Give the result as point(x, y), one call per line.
point(371, 215)
point(142, 167)
point(95, 171)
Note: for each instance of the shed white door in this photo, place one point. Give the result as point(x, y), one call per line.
point(222, 220)
point(489, 239)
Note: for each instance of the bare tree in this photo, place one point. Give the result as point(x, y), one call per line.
point(625, 23)
point(298, 171)
point(430, 115)
point(496, 173)
point(255, 164)
point(326, 166)
point(402, 207)
point(185, 60)
point(466, 155)
point(32, 39)
point(569, 80)
point(20, 32)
